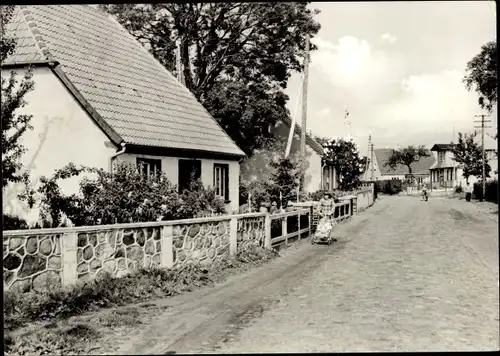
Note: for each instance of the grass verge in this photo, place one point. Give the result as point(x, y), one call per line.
point(53, 308)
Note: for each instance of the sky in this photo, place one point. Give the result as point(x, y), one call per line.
point(397, 67)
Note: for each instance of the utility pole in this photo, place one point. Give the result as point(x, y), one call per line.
point(304, 113)
point(482, 121)
point(370, 147)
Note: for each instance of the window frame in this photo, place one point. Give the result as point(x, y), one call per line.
point(223, 169)
point(149, 162)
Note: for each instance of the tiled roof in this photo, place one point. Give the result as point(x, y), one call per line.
point(309, 140)
point(134, 94)
point(442, 147)
point(421, 167)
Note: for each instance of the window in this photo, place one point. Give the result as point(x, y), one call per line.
point(189, 170)
point(441, 156)
point(149, 167)
point(221, 180)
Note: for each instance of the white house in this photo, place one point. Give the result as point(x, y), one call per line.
point(257, 167)
point(420, 169)
point(101, 96)
point(446, 172)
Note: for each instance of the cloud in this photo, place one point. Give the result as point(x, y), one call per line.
point(428, 103)
point(353, 63)
point(324, 112)
point(387, 37)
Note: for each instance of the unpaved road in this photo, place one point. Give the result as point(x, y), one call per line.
point(405, 275)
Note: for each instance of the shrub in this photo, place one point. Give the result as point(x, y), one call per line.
point(389, 186)
point(122, 196)
point(459, 189)
point(10, 222)
point(491, 191)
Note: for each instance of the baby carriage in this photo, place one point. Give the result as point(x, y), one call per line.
point(323, 231)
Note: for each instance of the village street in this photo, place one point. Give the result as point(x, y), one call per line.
point(405, 275)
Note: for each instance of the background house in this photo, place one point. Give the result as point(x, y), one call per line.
point(257, 167)
point(420, 169)
point(447, 173)
point(101, 96)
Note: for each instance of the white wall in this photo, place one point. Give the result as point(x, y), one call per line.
point(62, 133)
point(170, 166)
point(257, 167)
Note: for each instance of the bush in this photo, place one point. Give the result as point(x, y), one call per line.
point(491, 191)
point(10, 222)
point(123, 196)
point(389, 186)
point(459, 189)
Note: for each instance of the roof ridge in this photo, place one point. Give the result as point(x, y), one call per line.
point(123, 29)
point(40, 44)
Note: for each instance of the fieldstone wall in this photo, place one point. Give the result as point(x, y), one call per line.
point(32, 262)
point(251, 232)
point(200, 243)
point(117, 251)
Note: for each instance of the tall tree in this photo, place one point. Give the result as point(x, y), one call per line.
point(406, 157)
point(344, 156)
point(469, 156)
point(236, 57)
point(482, 75)
point(14, 125)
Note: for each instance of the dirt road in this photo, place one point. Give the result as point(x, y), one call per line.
point(405, 275)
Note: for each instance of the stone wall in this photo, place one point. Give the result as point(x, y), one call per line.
point(32, 262)
point(202, 243)
point(41, 259)
point(250, 232)
point(117, 251)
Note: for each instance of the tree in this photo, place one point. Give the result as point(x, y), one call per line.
point(482, 75)
point(14, 125)
point(406, 157)
point(231, 58)
point(469, 156)
point(284, 179)
point(343, 155)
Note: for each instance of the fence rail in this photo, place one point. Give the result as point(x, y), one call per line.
point(285, 222)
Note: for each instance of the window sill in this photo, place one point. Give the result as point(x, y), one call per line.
point(227, 201)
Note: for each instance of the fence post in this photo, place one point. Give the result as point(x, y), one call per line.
point(233, 236)
point(267, 227)
point(298, 225)
point(69, 261)
point(167, 256)
point(284, 229)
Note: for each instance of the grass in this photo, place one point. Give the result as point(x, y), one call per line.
point(53, 308)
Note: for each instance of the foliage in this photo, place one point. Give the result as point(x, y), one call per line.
point(469, 155)
point(13, 223)
point(108, 291)
point(14, 125)
point(285, 180)
point(389, 186)
point(122, 196)
point(491, 193)
point(230, 57)
point(406, 157)
point(459, 189)
point(482, 75)
point(259, 192)
point(343, 155)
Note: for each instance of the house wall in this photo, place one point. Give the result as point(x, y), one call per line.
point(258, 166)
point(170, 166)
point(62, 133)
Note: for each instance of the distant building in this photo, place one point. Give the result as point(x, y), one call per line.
point(420, 169)
point(446, 172)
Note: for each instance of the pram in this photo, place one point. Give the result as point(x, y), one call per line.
point(324, 230)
